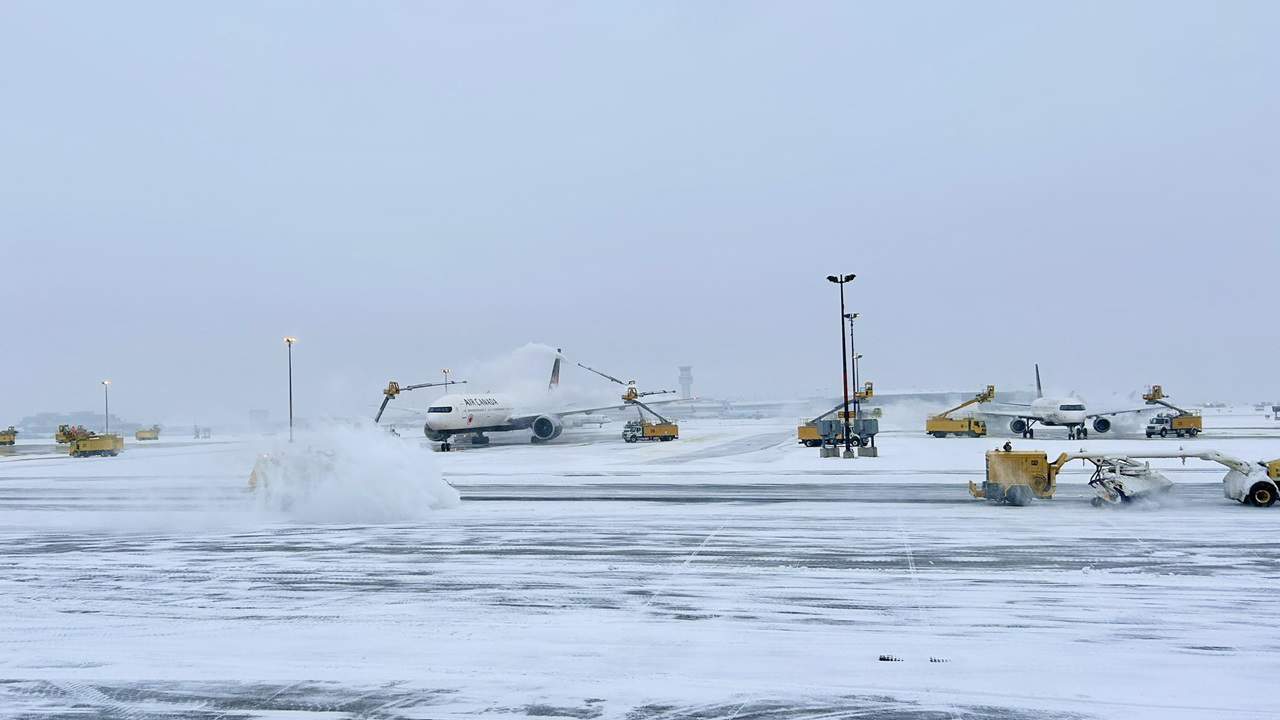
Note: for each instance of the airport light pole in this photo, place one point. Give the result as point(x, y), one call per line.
point(446, 376)
point(853, 351)
point(106, 407)
point(289, 341)
point(844, 356)
point(857, 407)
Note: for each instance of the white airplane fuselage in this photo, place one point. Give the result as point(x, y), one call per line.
point(452, 414)
point(1058, 411)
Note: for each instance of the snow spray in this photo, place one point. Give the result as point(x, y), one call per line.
point(346, 474)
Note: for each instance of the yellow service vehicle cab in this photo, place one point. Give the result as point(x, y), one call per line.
point(9, 436)
point(94, 444)
point(151, 433)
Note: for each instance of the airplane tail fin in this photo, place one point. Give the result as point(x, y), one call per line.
point(555, 373)
point(1039, 390)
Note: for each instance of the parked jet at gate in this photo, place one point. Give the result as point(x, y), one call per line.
point(1068, 412)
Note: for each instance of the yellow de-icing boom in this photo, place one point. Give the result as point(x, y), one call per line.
point(664, 429)
point(942, 425)
point(1156, 396)
point(985, 396)
point(394, 388)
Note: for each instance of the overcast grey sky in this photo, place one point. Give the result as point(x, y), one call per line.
point(413, 185)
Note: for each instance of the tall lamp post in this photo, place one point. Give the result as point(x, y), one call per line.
point(853, 350)
point(106, 407)
point(446, 375)
point(857, 404)
point(289, 341)
point(844, 357)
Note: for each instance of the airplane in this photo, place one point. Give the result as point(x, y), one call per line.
point(1068, 412)
point(477, 414)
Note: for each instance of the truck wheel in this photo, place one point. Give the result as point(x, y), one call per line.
point(1262, 495)
point(1018, 495)
point(1164, 432)
point(938, 434)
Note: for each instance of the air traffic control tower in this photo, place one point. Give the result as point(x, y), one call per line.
point(686, 382)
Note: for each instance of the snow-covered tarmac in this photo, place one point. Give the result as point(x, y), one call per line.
point(731, 574)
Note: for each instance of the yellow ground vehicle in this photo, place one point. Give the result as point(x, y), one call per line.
point(67, 433)
point(863, 425)
point(861, 429)
point(942, 424)
point(1181, 423)
point(151, 433)
point(1017, 476)
point(8, 436)
point(1272, 468)
point(94, 444)
point(941, 427)
point(642, 431)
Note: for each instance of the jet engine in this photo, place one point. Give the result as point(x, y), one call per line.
point(1018, 425)
point(546, 427)
point(1101, 424)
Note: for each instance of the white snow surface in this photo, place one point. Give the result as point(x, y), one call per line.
point(729, 574)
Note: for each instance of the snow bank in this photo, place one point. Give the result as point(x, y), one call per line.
point(350, 475)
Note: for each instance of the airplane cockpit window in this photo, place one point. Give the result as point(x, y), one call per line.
point(440, 409)
point(1071, 407)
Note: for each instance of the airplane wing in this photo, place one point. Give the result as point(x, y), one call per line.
point(1148, 408)
point(1006, 413)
